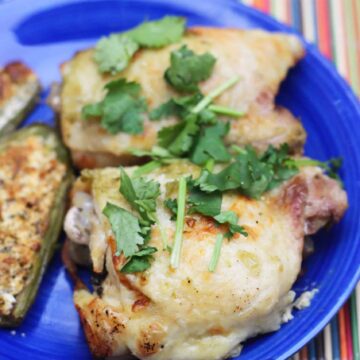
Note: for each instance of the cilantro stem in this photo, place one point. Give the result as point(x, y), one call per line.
point(209, 165)
point(176, 251)
point(224, 110)
point(216, 253)
point(238, 149)
point(147, 168)
point(214, 94)
point(305, 162)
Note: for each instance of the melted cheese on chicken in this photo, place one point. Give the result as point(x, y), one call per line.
point(189, 312)
point(260, 59)
point(29, 176)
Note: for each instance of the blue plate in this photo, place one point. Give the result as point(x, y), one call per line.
point(44, 35)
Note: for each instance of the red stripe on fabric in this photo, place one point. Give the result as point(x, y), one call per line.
point(288, 12)
point(348, 331)
point(266, 6)
point(322, 9)
point(304, 353)
point(262, 5)
point(342, 335)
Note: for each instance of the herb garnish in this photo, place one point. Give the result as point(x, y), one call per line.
point(188, 69)
point(199, 135)
point(208, 204)
point(121, 109)
point(126, 229)
point(140, 261)
point(216, 252)
point(331, 166)
point(142, 195)
point(181, 200)
point(171, 204)
point(158, 33)
point(113, 53)
point(210, 144)
point(251, 174)
point(231, 219)
point(132, 234)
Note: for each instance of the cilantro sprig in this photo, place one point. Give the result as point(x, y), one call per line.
point(206, 204)
point(132, 233)
point(331, 167)
point(121, 110)
point(199, 135)
point(126, 229)
point(114, 52)
point(251, 174)
point(231, 219)
point(187, 69)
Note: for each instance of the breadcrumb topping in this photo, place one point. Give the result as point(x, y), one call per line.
point(29, 176)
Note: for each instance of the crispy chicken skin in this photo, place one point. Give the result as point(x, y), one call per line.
point(261, 59)
point(191, 313)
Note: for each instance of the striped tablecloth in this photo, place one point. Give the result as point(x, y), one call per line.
point(334, 25)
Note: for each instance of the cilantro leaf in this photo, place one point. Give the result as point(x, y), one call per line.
point(121, 109)
point(230, 218)
point(141, 194)
point(92, 110)
point(126, 229)
point(178, 139)
point(188, 69)
point(147, 192)
point(131, 233)
point(113, 53)
point(210, 144)
point(180, 107)
point(169, 108)
point(277, 158)
point(172, 205)
point(208, 204)
point(140, 261)
point(158, 33)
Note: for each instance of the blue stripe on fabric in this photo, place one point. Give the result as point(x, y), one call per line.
point(335, 338)
point(296, 15)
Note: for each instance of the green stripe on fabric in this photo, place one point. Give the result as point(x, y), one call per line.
point(333, 26)
point(354, 327)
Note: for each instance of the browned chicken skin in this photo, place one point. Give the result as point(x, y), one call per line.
point(190, 313)
point(260, 59)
